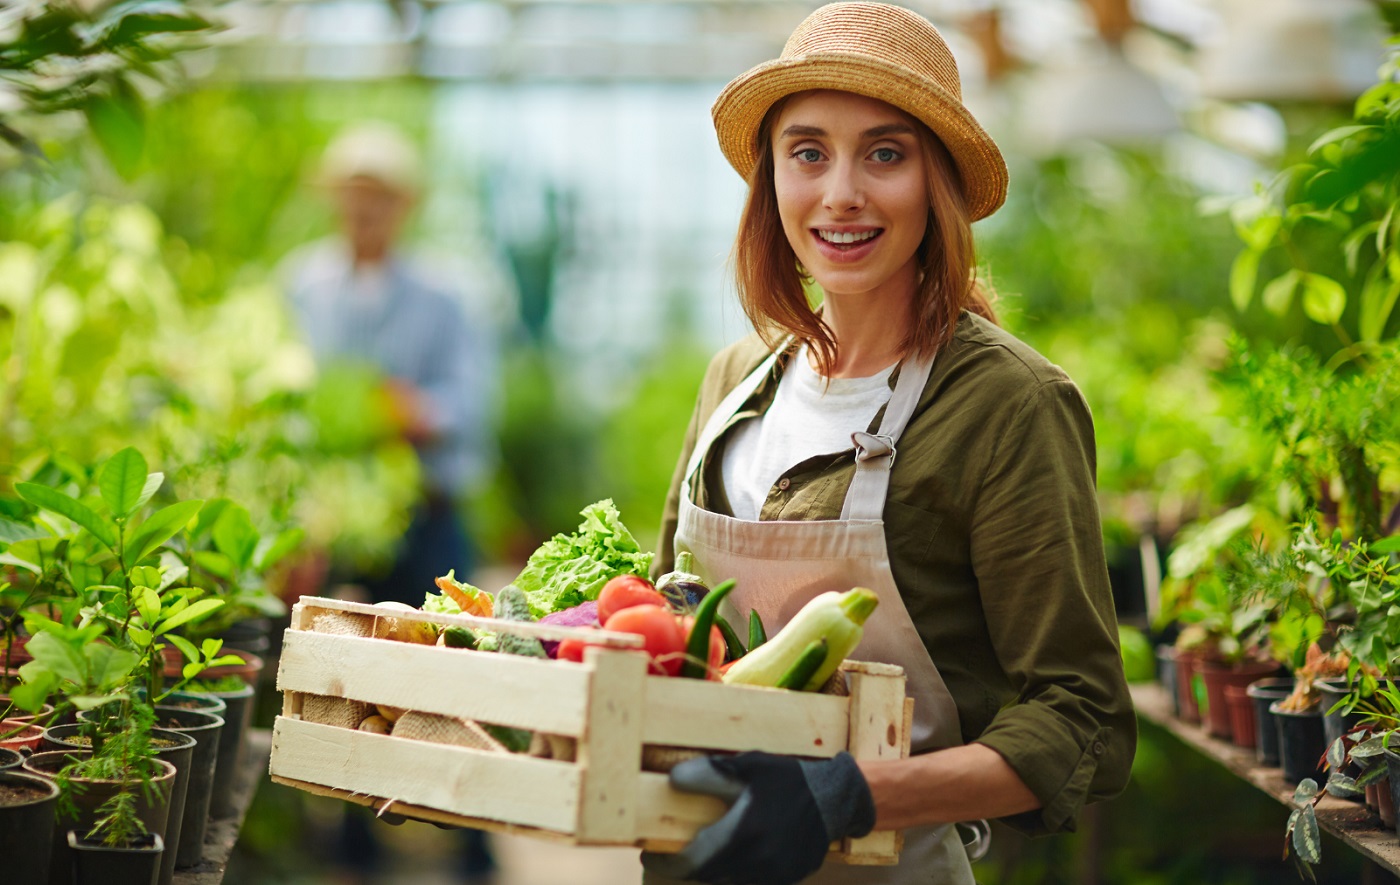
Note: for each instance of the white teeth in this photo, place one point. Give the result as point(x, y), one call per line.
point(836, 237)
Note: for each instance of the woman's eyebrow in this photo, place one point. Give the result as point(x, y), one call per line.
point(799, 131)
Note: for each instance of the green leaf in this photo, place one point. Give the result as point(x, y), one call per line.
point(147, 603)
point(1336, 755)
point(1368, 748)
point(1278, 293)
point(272, 549)
point(209, 516)
point(227, 661)
point(57, 502)
point(1305, 792)
point(1378, 299)
point(1306, 841)
point(1324, 299)
point(139, 635)
point(152, 18)
point(58, 657)
point(118, 123)
point(211, 646)
point(185, 646)
point(108, 666)
point(1385, 545)
point(32, 694)
point(235, 536)
point(153, 483)
point(12, 532)
point(199, 610)
point(1372, 775)
point(145, 575)
point(1243, 274)
point(11, 559)
point(1336, 135)
point(122, 481)
point(159, 528)
point(1342, 786)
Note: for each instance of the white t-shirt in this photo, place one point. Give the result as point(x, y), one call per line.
point(808, 417)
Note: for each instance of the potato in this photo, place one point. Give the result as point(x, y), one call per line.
point(390, 713)
point(376, 725)
point(417, 632)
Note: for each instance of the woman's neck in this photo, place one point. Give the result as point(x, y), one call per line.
point(869, 333)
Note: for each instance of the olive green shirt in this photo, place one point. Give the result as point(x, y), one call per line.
point(992, 526)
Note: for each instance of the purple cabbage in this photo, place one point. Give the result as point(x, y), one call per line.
point(585, 614)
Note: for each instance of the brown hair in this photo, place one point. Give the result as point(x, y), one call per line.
point(770, 281)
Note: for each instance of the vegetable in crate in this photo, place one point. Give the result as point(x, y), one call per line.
point(699, 643)
point(511, 606)
point(662, 634)
point(585, 614)
point(569, 569)
point(625, 591)
point(458, 598)
point(682, 589)
point(837, 618)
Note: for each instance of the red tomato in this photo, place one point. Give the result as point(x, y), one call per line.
point(571, 650)
point(625, 591)
point(664, 638)
point(716, 646)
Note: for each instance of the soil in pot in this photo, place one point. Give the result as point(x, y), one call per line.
point(9, 759)
point(136, 863)
point(153, 813)
point(26, 826)
point(1264, 692)
point(1216, 676)
point(15, 714)
point(1301, 743)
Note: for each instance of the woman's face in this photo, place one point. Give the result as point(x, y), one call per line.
point(852, 192)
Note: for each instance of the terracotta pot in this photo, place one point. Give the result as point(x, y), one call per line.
point(1385, 802)
point(1244, 728)
point(26, 737)
point(1216, 676)
point(1187, 707)
point(18, 715)
point(15, 654)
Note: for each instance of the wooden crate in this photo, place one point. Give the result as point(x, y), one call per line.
point(608, 703)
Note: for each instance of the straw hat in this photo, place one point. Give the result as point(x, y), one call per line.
point(876, 50)
point(376, 150)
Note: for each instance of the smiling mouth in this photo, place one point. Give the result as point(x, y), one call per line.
point(847, 239)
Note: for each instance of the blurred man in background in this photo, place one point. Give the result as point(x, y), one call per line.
point(359, 299)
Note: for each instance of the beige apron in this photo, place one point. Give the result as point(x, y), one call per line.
point(780, 565)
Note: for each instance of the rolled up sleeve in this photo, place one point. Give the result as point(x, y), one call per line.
point(1037, 552)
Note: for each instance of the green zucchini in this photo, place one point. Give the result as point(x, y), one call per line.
point(697, 647)
point(838, 618)
point(806, 665)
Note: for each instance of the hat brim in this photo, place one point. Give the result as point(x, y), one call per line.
point(739, 110)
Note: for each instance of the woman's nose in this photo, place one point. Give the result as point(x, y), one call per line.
point(844, 192)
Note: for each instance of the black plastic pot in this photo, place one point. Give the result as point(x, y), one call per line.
point(253, 634)
point(1392, 764)
point(1301, 744)
point(205, 728)
point(26, 826)
point(137, 863)
point(1264, 692)
point(174, 747)
point(238, 716)
point(1334, 725)
point(1166, 675)
point(153, 813)
point(9, 759)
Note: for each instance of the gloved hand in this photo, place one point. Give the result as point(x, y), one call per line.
point(784, 813)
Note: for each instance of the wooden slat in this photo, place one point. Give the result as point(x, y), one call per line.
point(509, 788)
point(871, 668)
point(502, 689)
point(715, 716)
point(610, 749)
point(877, 732)
point(611, 639)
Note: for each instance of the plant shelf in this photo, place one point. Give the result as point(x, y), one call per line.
point(1350, 822)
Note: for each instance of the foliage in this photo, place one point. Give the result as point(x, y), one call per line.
point(93, 58)
point(1334, 219)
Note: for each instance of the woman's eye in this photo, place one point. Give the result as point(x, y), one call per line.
point(885, 155)
point(808, 155)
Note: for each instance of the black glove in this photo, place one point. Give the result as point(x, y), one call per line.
point(784, 813)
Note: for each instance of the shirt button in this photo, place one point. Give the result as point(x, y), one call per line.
point(784, 483)
point(1097, 748)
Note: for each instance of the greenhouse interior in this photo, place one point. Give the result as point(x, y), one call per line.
point(360, 363)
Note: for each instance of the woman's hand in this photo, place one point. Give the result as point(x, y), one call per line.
point(784, 814)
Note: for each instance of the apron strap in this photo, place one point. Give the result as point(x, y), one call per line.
point(865, 499)
point(726, 409)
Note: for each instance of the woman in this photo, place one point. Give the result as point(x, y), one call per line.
point(896, 439)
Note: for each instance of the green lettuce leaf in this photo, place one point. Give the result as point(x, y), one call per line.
point(567, 570)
